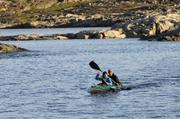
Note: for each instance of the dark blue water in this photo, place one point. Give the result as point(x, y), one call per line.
point(51, 81)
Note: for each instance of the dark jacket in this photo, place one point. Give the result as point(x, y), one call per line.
point(115, 79)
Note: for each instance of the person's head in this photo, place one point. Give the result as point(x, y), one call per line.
point(104, 75)
point(110, 72)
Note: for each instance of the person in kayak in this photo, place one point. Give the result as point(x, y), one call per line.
point(104, 78)
point(115, 79)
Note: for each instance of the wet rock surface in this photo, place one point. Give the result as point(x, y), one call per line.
point(6, 48)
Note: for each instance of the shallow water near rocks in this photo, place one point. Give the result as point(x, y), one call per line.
point(51, 81)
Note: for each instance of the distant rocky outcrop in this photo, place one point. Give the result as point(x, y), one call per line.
point(78, 13)
point(6, 48)
point(99, 34)
point(153, 27)
point(146, 19)
point(90, 34)
point(22, 37)
point(166, 27)
point(159, 27)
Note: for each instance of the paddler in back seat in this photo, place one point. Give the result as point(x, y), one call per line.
point(115, 79)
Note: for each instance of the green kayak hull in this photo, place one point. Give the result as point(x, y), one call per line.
point(104, 89)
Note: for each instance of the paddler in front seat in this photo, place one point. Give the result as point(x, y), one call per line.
point(115, 79)
point(104, 78)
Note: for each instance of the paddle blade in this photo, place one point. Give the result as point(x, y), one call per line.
point(93, 65)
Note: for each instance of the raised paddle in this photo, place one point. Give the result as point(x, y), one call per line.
point(93, 65)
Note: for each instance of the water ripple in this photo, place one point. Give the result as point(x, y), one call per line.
point(52, 79)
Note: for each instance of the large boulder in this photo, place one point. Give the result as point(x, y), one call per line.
point(5, 48)
point(171, 35)
point(164, 23)
point(113, 34)
point(152, 26)
point(165, 27)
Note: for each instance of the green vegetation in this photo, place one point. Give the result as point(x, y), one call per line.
point(57, 7)
point(28, 16)
point(27, 11)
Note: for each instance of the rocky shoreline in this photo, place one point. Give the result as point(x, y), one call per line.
point(86, 13)
point(159, 27)
point(148, 20)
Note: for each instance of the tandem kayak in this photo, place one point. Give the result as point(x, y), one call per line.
point(104, 88)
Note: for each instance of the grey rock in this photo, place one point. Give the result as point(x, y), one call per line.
point(6, 48)
point(114, 34)
point(60, 37)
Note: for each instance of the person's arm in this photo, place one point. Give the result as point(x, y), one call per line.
point(117, 79)
point(97, 77)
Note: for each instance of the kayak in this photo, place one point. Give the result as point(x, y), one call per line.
point(104, 88)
